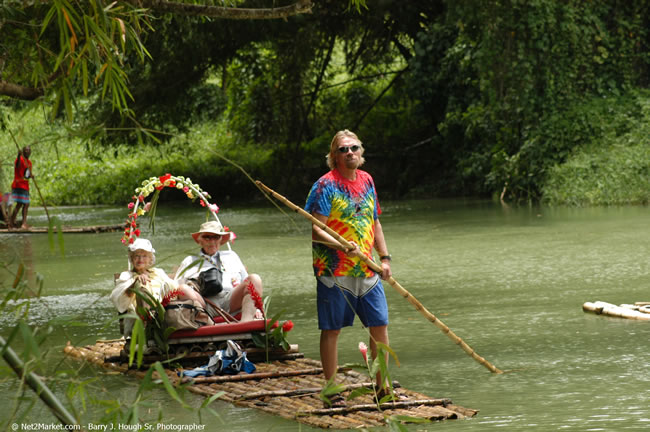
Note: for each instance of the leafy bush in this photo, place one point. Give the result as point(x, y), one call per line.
point(71, 172)
point(614, 169)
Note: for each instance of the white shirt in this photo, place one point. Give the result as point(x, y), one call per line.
point(159, 286)
point(231, 266)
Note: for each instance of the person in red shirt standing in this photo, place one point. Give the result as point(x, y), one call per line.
point(20, 186)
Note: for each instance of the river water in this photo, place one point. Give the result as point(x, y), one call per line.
point(509, 281)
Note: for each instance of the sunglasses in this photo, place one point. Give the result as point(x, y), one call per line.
point(210, 237)
point(352, 148)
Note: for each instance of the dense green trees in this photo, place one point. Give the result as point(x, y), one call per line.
point(450, 98)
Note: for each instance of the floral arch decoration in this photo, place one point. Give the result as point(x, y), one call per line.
point(138, 207)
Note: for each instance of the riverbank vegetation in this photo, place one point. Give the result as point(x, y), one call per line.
point(524, 101)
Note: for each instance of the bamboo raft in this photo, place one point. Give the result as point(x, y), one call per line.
point(65, 229)
point(289, 387)
point(637, 311)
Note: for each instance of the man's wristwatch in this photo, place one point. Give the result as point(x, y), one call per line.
point(385, 257)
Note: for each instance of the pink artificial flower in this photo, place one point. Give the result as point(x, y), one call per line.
point(131, 205)
point(364, 351)
point(202, 203)
point(214, 208)
point(147, 206)
point(186, 189)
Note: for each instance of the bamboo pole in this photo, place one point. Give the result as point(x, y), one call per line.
point(252, 376)
point(38, 386)
point(304, 391)
point(373, 407)
point(401, 290)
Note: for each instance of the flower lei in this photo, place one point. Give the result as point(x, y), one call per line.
point(138, 207)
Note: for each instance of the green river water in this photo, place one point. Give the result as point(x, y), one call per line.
point(509, 281)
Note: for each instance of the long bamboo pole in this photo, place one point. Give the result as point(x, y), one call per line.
point(38, 386)
point(401, 290)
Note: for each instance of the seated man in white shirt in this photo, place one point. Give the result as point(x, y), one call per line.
point(220, 276)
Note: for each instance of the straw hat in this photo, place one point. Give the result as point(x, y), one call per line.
point(212, 227)
point(142, 244)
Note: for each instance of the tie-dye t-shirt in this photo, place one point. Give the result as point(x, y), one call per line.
point(351, 208)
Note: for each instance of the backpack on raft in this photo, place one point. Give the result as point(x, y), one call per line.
point(186, 315)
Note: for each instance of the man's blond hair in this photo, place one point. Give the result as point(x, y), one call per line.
point(331, 156)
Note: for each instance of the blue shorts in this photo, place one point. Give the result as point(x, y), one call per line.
point(337, 307)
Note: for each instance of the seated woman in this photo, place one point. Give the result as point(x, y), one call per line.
point(230, 287)
point(144, 276)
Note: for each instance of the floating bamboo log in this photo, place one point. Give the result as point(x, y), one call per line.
point(65, 229)
point(622, 311)
point(401, 290)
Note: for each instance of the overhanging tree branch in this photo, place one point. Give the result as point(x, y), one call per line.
point(383, 92)
point(19, 92)
point(18, 89)
point(301, 6)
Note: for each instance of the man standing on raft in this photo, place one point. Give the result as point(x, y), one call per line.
point(20, 186)
point(346, 201)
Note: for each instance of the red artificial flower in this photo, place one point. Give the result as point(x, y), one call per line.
point(141, 198)
point(134, 224)
point(287, 326)
point(170, 296)
point(137, 233)
point(164, 178)
point(255, 296)
point(172, 183)
point(131, 240)
point(202, 203)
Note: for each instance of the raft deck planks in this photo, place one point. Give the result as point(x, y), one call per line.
point(290, 389)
